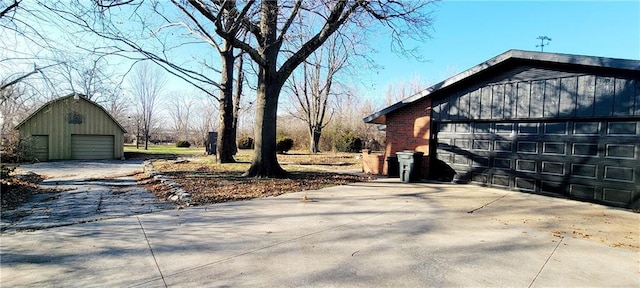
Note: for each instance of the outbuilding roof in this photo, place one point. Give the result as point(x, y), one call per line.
point(81, 96)
point(510, 55)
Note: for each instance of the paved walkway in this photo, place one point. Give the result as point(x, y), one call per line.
point(380, 233)
point(89, 191)
point(81, 201)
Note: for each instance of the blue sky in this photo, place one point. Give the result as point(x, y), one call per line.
point(466, 33)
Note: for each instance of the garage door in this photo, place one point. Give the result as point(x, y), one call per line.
point(594, 160)
point(88, 147)
point(40, 147)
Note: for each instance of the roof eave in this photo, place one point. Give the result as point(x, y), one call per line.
point(588, 61)
point(62, 98)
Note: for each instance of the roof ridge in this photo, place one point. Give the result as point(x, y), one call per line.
point(510, 55)
point(73, 94)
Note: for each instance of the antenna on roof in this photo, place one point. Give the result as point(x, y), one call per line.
point(542, 44)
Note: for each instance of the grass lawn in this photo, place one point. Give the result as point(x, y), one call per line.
point(211, 182)
point(158, 151)
point(326, 159)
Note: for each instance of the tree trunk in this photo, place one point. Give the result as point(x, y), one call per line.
point(236, 102)
point(265, 163)
point(226, 133)
point(314, 137)
point(146, 139)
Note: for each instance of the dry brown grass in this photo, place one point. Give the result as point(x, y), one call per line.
point(15, 191)
point(209, 182)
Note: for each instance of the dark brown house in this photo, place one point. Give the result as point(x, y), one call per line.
point(528, 121)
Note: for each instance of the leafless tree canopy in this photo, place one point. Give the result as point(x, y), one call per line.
point(20, 42)
point(268, 31)
point(147, 83)
point(311, 89)
point(405, 19)
point(271, 24)
point(145, 30)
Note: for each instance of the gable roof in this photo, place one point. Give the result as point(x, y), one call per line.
point(81, 96)
point(510, 55)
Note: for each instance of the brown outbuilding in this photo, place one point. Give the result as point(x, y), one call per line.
point(72, 127)
point(530, 121)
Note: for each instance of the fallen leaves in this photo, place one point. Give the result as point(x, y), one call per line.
point(17, 190)
point(215, 183)
point(215, 188)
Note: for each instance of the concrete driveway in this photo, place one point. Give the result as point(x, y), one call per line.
point(89, 191)
point(380, 233)
point(82, 170)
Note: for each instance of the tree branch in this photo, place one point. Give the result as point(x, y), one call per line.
point(13, 6)
point(339, 15)
point(287, 24)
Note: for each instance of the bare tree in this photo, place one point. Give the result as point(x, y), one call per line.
point(89, 75)
point(116, 103)
point(312, 92)
point(227, 103)
point(147, 83)
point(240, 79)
point(13, 107)
point(403, 89)
point(180, 110)
point(258, 28)
point(134, 119)
point(24, 49)
point(160, 37)
point(205, 120)
point(269, 24)
point(23, 63)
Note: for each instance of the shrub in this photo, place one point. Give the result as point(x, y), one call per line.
point(183, 144)
point(284, 144)
point(15, 149)
point(245, 143)
point(349, 143)
point(374, 145)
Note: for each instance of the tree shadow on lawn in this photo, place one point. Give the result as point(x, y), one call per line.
point(147, 156)
point(216, 186)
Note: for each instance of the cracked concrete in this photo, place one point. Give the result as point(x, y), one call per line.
point(90, 191)
point(379, 233)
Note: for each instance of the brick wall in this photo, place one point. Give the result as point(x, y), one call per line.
point(409, 128)
point(372, 163)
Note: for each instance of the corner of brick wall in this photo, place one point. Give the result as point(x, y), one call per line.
point(409, 128)
point(372, 163)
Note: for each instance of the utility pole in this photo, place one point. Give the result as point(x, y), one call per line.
point(542, 43)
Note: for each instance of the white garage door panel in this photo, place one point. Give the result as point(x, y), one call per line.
point(88, 147)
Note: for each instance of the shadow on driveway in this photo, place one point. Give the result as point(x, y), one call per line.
point(88, 191)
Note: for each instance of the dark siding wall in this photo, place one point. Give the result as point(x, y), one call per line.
point(573, 133)
point(567, 96)
point(528, 73)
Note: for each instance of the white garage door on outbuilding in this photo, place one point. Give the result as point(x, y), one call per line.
point(91, 147)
